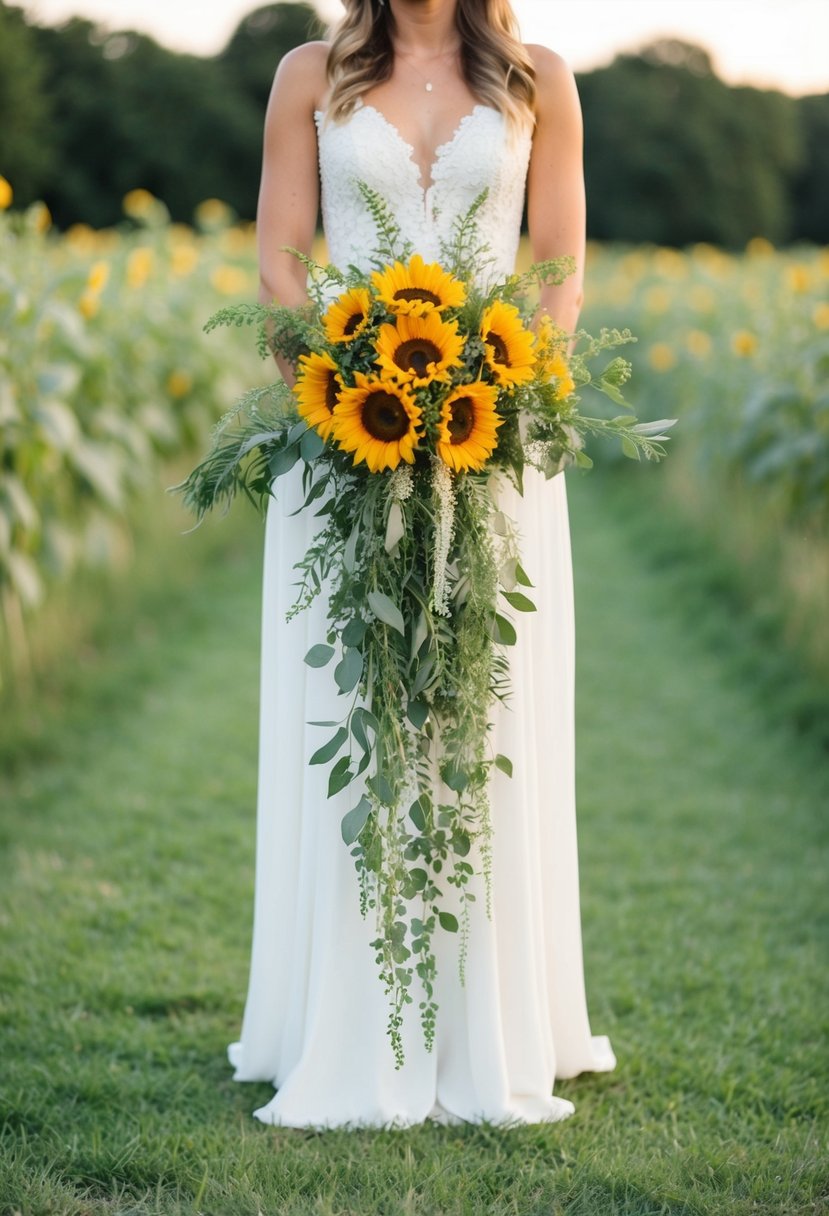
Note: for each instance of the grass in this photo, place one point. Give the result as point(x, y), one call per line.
point(126, 900)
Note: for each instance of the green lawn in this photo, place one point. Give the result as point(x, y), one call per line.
point(125, 904)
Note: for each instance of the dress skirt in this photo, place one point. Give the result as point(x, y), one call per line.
point(315, 1020)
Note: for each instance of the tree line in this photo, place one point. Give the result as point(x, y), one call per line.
point(672, 153)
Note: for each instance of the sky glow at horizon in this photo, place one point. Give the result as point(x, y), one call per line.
point(768, 43)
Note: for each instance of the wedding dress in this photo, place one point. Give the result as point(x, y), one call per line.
point(315, 1021)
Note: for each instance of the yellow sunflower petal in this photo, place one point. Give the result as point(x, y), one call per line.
point(347, 316)
point(418, 350)
point(467, 429)
point(508, 344)
point(317, 390)
point(378, 421)
point(418, 288)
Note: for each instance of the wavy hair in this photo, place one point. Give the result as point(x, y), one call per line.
point(495, 65)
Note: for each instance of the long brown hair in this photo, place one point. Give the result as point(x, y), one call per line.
point(495, 65)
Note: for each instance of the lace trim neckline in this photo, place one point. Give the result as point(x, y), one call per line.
point(440, 151)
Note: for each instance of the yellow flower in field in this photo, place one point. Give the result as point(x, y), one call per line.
point(418, 288)
point(508, 344)
point(743, 343)
point(235, 241)
point(229, 280)
point(138, 203)
point(378, 421)
point(89, 304)
point(212, 213)
point(139, 266)
point(347, 316)
point(657, 299)
point(468, 425)
point(820, 315)
point(183, 260)
point(698, 343)
point(179, 383)
point(419, 350)
point(799, 277)
point(98, 277)
point(823, 262)
point(40, 217)
point(701, 298)
point(318, 389)
point(661, 357)
point(6, 194)
point(80, 237)
point(759, 246)
point(670, 263)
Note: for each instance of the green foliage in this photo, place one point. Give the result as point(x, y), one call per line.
point(26, 132)
point(811, 185)
point(100, 378)
point(258, 43)
point(674, 155)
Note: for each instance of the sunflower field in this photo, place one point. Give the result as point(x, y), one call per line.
point(106, 377)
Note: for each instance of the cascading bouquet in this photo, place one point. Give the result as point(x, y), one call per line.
point(414, 386)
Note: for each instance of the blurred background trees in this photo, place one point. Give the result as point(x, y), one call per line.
point(672, 153)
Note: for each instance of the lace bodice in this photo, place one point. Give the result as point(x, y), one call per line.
point(367, 147)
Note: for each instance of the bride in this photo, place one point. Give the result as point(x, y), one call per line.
point(428, 102)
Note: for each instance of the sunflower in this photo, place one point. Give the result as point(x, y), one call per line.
point(317, 389)
point(378, 421)
point(467, 426)
point(418, 288)
point(418, 350)
point(552, 359)
point(347, 316)
point(508, 345)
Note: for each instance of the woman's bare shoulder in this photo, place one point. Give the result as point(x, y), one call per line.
point(554, 78)
point(303, 71)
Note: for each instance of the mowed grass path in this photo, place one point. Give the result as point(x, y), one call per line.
point(126, 893)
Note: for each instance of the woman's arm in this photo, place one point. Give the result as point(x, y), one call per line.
point(556, 206)
point(289, 189)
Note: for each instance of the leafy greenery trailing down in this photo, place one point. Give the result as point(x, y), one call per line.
point(419, 387)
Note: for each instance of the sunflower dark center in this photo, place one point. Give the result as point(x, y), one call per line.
point(416, 354)
point(417, 293)
point(352, 323)
point(462, 420)
point(331, 392)
point(500, 353)
point(384, 417)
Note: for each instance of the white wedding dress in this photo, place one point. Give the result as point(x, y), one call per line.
point(315, 1021)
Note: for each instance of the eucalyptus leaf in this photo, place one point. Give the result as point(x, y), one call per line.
point(395, 527)
point(504, 764)
point(356, 819)
point(417, 816)
point(504, 631)
point(283, 460)
point(311, 445)
point(319, 655)
point(354, 632)
point(340, 776)
point(349, 669)
point(386, 611)
point(329, 750)
point(518, 601)
point(448, 922)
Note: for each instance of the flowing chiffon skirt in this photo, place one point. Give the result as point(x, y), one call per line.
point(315, 1021)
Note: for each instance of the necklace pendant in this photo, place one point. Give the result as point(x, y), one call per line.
point(428, 86)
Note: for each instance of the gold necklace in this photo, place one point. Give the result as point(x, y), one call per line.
point(441, 55)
